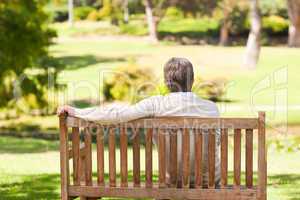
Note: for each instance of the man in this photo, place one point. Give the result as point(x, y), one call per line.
point(179, 78)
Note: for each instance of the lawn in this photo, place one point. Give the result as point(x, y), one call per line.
point(29, 169)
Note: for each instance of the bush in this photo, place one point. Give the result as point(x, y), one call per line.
point(275, 24)
point(274, 7)
point(194, 28)
point(81, 13)
point(174, 13)
point(213, 90)
point(93, 16)
point(106, 10)
point(128, 83)
point(138, 29)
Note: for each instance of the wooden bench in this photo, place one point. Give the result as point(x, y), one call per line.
point(82, 184)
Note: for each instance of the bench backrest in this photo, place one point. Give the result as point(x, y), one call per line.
point(81, 155)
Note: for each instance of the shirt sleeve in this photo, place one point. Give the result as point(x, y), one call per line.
point(118, 113)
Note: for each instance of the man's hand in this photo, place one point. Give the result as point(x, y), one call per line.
point(65, 110)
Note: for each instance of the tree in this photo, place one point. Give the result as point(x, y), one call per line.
point(253, 43)
point(70, 12)
point(151, 21)
point(24, 66)
point(227, 7)
point(126, 11)
point(155, 10)
point(294, 29)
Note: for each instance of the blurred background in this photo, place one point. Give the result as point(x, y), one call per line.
point(95, 52)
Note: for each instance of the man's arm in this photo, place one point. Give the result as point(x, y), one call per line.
point(115, 113)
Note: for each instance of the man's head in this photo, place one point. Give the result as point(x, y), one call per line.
point(179, 75)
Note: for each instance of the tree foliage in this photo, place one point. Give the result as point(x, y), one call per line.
point(24, 42)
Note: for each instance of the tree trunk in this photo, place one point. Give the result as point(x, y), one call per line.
point(253, 43)
point(126, 11)
point(294, 29)
point(224, 32)
point(70, 12)
point(152, 25)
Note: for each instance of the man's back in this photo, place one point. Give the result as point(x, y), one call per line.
point(174, 104)
point(189, 104)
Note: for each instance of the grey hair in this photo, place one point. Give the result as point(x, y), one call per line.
point(179, 75)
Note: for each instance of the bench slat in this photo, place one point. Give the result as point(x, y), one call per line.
point(185, 158)
point(162, 158)
point(64, 158)
point(88, 156)
point(136, 157)
point(224, 157)
point(198, 158)
point(76, 155)
point(249, 158)
point(164, 193)
point(262, 158)
point(179, 122)
point(148, 152)
point(173, 158)
point(123, 155)
point(237, 157)
point(211, 158)
point(112, 157)
point(100, 156)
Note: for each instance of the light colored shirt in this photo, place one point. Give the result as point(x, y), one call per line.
point(173, 104)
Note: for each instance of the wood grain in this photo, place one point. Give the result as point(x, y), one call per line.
point(198, 158)
point(211, 158)
point(88, 156)
point(262, 158)
point(162, 158)
point(76, 155)
point(136, 158)
point(186, 158)
point(148, 152)
point(224, 157)
point(237, 158)
point(249, 158)
point(112, 157)
point(123, 155)
point(100, 156)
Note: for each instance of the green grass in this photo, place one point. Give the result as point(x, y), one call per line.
point(29, 169)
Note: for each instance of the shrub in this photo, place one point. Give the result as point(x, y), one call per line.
point(93, 16)
point(213, 90)
point(174, 13)
point(274, 7)
point(106, 10)
point(275, 24)
point(128, 83)
point(194, 28)
point(81, 13)
point(138, 29)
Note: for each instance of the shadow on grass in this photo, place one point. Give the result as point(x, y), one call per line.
point(26, 145)
point(23, 127)
point(44, 186)
point(76, 62)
